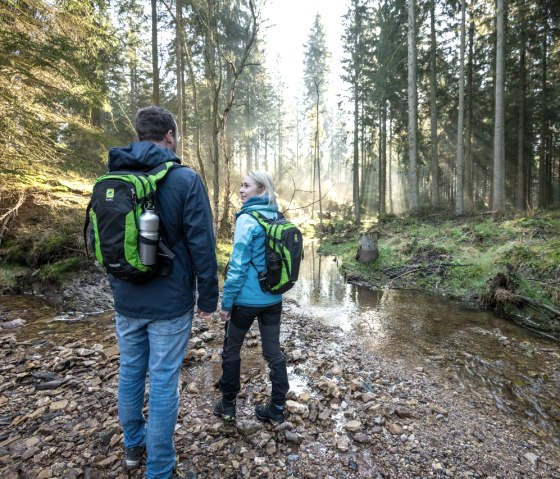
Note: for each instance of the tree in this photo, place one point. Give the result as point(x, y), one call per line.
point(498, 190)
point(353, 66)
point(412, 109)
point(434, 160)
point(459, 205)
point(155, 54)
point(316, 68)
point(53, 85)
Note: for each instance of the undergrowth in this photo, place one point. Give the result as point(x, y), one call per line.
point(458, 257)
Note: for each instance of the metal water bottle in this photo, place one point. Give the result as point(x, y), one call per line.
point(148, 226)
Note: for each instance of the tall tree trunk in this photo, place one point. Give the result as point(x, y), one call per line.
point(236, 70)
point(434, 161)
point(469, 186)
point(412, 109)
point(265, 159)
point(498, 187)
point(280, 167)
point(382, 158)
point(520, 198)
point(133, 85)
point(248, 146)
point(390, 172)
point(318, 160)
point(363, 156)
point(356, 152)
point(196, 115)
point(179, 72)
point(356, 162)
point(155, 55)
point(544, 179)
point(459, 206)
point(213, 73)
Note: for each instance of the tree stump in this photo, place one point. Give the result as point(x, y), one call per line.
point(367, 247)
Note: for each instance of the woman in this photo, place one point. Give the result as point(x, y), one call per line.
point(243, 301)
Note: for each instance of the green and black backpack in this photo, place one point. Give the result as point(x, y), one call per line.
point(283, 253)
point(117, 201)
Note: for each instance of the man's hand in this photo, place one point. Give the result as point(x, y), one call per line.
point(225, 315)
point(204, 314)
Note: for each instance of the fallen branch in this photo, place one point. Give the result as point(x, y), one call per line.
point(536, 304)
point(550, 283)
point(425, 268)
point(11, 213)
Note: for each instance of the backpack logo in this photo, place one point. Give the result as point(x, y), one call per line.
point(283, 253)
point(109, 194)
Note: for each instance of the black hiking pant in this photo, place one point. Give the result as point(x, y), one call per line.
point(242, 318)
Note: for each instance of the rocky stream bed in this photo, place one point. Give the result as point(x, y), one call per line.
point(351, 413)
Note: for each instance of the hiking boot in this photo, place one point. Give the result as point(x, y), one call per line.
point(270, 412)
point(225, 409)
point(132, 456)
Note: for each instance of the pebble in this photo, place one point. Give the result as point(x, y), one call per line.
point(353, 426)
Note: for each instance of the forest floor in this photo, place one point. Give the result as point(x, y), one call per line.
point(350, 414)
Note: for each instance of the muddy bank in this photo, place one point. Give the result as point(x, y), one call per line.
point(351, 413)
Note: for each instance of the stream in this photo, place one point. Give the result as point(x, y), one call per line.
point(479, 354)
point(482, 355)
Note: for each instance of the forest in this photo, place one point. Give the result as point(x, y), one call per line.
point(431, 128)
point(440, 111)
point(450, 105)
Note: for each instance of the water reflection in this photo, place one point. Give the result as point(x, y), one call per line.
point(488, 357)
point(322, 290)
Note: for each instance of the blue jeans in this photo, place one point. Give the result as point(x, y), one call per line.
point(158, 346)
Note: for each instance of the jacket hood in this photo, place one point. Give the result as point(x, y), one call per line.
point(258, 203)
point(141, 155)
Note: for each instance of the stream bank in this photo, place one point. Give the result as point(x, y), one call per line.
point(509, 265)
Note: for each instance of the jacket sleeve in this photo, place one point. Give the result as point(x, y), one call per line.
point(201, 243)
point(246, 228)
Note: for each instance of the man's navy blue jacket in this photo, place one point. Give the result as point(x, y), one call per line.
point(186, 222)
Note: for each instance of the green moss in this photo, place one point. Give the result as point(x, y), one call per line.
point(57, 271)
point(9, 274)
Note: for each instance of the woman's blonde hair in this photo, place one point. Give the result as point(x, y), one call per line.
point(264, 181)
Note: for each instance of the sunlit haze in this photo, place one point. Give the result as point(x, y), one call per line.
point(286, 29)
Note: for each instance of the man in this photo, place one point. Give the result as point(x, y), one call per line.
point(154, 319)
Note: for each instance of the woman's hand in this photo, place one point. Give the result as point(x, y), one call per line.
point(225, 315)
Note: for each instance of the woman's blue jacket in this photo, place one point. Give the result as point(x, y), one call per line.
point(248, 257)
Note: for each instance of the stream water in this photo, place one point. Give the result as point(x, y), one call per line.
point(480, 354)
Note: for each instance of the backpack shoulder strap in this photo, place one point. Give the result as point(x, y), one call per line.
point(262, 218)
point(159, 171)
